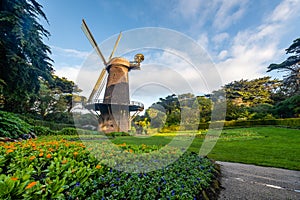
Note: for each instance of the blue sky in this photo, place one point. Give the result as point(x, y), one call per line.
point(242, 37)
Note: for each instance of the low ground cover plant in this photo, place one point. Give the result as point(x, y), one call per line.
point(50, 168)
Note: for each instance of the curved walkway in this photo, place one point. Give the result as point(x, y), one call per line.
point(241, 181)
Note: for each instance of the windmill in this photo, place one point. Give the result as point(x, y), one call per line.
point(114, 110)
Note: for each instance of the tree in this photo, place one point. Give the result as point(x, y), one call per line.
point(23, 55)
point(244, 94)
point(292, 66)
point(54, 101)
point(289, 107)
point(205, 108)
point(251, 93)
point(156, 114)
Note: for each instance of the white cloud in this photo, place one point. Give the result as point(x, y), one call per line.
point(69, 52)
point(70, 72)
point(220, 38)
point(229, 12)
point(188, 9)
point(203, 40)
point(223, 54)
point(285, 10)
point(252, 50)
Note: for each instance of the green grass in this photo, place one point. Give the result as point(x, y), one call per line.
point(266, 146)
point(276, 147)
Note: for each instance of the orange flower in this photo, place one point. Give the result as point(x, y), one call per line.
point(122, 145)
point(98, 166)
point(50, 149)
point(9, 151)
point(41, 154)
point(130, 151)
point(30, 185)
point(75, 153)
point(14, 178)
point(32, 157)
point(64, 162)
point(48, 155)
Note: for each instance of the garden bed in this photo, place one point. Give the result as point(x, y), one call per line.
point(48, 168)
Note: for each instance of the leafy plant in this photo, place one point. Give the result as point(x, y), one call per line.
point(59, 169)
point(12, 126)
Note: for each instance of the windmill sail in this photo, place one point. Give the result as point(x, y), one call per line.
point(115, 47)
point(90, 37)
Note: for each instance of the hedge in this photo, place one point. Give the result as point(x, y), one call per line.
point(290, 122)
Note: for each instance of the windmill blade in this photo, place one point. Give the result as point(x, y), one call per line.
point(93, 42)
point(97, 95)
point(115, 47)
point(97, 85)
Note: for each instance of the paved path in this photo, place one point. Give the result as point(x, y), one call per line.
point(241, 181)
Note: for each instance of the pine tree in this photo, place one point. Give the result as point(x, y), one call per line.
point(292, 66)
point(23, 54)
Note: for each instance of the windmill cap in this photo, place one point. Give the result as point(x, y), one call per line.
point(119, 61)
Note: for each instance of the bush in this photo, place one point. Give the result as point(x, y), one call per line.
point(40, 130)
point(170, 129)
point(116, 134)
point(52, 125)
point(75, 131)
point(68, 131)
point(36, 122)
point(290, 122)
point(12, 126)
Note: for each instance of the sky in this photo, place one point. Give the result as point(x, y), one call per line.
point(196, 45)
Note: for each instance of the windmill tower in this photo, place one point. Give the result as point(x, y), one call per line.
point(114, 110)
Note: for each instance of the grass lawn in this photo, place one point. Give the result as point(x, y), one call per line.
point(266, 146)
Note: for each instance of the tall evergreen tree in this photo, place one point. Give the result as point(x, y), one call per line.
point(23, 55)
point(292, 66)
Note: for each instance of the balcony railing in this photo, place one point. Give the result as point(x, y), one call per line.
point(101, 101)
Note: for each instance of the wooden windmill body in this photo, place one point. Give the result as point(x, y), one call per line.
point(116, 106)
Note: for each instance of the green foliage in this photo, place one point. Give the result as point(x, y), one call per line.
point(157, 116)
point(12, 126)
point(23, 55)
point(75, 131)
point(261, 111)
point(55, 100)
point(251, 92)
point(116, 134)
point(205, 108)
point(68, 131)
point(290, 107)
point(41, 130)
point(52, 125)
point(291, 122)
point(291, 66)
point(59, 169)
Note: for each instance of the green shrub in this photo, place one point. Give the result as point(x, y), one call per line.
point(75, 131)
point(116, 134)
point(68, 131)
point(41, 130)
point(12, 126)
point(170, 129)
point(52, 125)
point(290, 122)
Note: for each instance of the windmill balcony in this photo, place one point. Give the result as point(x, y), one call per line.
point(96, 105)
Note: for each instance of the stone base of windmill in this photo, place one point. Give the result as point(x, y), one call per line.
point(109, 123)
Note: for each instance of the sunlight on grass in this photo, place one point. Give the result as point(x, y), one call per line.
point(268, 146)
